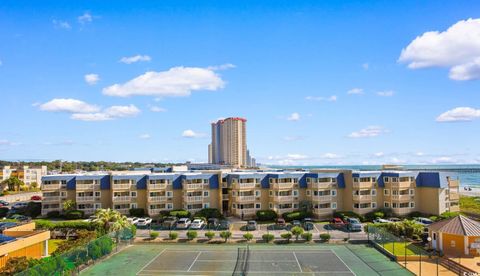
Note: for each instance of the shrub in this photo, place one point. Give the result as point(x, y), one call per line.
point(133, 229)
point(225, 235)
point(209, 213)
point(344, 215)
point(180, 213)
point(296, 215)
point(74, 214)
point(380, 213)
point(268, 237)
point(447, 215)
point(248, 236)
point(417, 214)
point(307, 236)
point(137, 212)
point(286, 236)
point(266, 215)
point(53, 214)
point(192, 234)
point(297, 231)
point(325, 237)
point(173, 235)
point(3, 212)
point(33, 209)
point(210, 235)
point(154, 235)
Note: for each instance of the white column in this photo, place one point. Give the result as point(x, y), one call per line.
point(45, 248)
point(465, 244)
point(441, 240)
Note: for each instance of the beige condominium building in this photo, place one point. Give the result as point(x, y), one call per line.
point(229, 142)
point(243, 193)
point(26, 174)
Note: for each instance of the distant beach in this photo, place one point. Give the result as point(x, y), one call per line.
point(473, 192)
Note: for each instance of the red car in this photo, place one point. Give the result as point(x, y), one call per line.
point(337, 223)
point(36, 197)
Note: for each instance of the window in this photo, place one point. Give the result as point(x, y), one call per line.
point(258, 206)
point(355, 179)
point(394, 192)
point(133, 206)
point(333, 192)
point(169, 194)
point(295, 206)
point(169, 206)
point(295, 192)
point(205, 194)
point(356, 205)
point(206, 205)
point(374, 192)
point(386, 204)
point(234, 205)
point(258, 193)
point(270, 205)
point(394, 205)
point(63, 194)
point(271, 193)
point(374, 205)
point(97, 194)
point(308, 192)
point(98, 206)
point(412, 204)
point(334, 205)
point(394, 179)
point(133, 194)
point(412, 191)
point(234, 193)
point(334, 180)
point(374, 179)
point(385, 179)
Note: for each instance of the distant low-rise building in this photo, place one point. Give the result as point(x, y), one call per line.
point(26, 174)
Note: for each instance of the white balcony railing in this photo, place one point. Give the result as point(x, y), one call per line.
point(402, 197)
point(321, 185)
point(402, 184)
point(123, 211)
point(245, 212)
point(51, 186)
point(287, 185)
point(153, 212)
point(121, 198)
point(283, 198)
point(245, 185)
point(157, 186)
point(322, 198)
point(246, 198)
point(121, 186)
point(193, 198)
point(194, 186)
point(87, 198)
point(322, 211)
point(157, 198)
point(364, 197)
point(362, 185)
point(87, 187)
point(52, 198)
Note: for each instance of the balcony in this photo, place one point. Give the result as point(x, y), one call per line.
point(283, 210)
point(244, 198)
point(323, 198)
point(453, 183)
point(244, 186)
point(193, 186)
point(87, 187)
point(401, 184)
point(157, 198)
point(123, 211)
point(320, 185)
point(402, 211)
point(52, 186)
point(454, 196)
point(121, 186)
point(455, 208)
point(153, 212)
point(246, 212)
point(322, 211)
point(121, 198)
point(282, 186)
point(193, 198)
point(52, 198)
point(364, 197)
point(288, 198)
point(406, 197)
point(362, 185)
point(87, 198)
point(157, 186)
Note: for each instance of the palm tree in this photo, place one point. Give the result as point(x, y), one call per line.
point(111, 220)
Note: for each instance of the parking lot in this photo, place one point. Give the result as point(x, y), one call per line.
point(237, 228)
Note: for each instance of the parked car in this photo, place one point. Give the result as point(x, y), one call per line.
point(4, 203)
point(353, 224)
point(394, 219)
point(337, 223)
point(20, 217)
point(169, 222)
point(19, 205)
point(36, 197)
point(133, 220)
point(183, 223)
point(213, 223)
point(224, 225)
point(308, 224)
point(144, 221)
point(380, 220)
point(90, 218)
point(197, 224)
point(280, 223)
point(296, 223)
point(251, 225)
point(423, 221)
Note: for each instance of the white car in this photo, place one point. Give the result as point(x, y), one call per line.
point(424, 221)
point(380, 220)
point(133, 221)
point(183, 223)
point(197, 224)
point(144, 221)
point(90, 219)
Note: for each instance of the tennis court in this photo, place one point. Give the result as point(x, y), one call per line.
point(146, 260)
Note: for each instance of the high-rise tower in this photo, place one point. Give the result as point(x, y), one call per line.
point(229, 142)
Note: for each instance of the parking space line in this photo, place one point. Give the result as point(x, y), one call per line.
point(194, 261)
point(296, 259)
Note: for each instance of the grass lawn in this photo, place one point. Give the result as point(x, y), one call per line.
point(400, 248)
point(470, 204)
point(52, 245)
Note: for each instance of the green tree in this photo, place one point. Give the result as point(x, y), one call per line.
point(69, 205)
point(111, 220)
point(307, 236)
point(248, 236)
point(15, 265)
point(287, 236)
point(297, 231)
point(210, 235)
point(325, 237)
point(13, 183)
point(192, 234)
point(268, 237)
point(154, 235)
point(225, 235)
point(173, 235)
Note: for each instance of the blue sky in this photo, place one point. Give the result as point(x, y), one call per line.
point(320, 82)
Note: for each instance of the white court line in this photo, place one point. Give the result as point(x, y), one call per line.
point(156, 272)
point(151, 261)
point(298, 263)
point(343, 262)
point(198, 255)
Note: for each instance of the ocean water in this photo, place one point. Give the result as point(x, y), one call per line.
point(469, 175)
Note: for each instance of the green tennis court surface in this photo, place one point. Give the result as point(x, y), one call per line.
point(292, 259)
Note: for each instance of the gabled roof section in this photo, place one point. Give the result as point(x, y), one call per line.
point(459, 225)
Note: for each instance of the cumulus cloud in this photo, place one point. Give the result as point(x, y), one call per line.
point(145, 136)
point(289, 159)
point(355, 91)
point(176, 82)
point(443, 160)
point(68, 105)
point(379, 154)
point(157, 109)
point(294, 117)
point(371, 131)
point(459, 114)
point(192, 134)
point(86, 17)
point(386, 93)
point(111, 113)
point(59, 24)
point(457, 48)
point(136, 58)
point(221, 67)
point(92, 79)
point(332, 98)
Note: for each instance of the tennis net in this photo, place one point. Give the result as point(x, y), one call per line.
point(241, 267)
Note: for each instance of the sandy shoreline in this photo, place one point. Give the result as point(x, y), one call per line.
point(473, 192)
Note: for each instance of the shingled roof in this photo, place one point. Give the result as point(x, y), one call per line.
point(459, 225)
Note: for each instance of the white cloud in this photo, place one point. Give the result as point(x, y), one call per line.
point(157, 109)
point(289, 159)
point(59, 24)
point(292, 138)
point(68, 105)
point(192, 134)
point(355, 91)
point(457, 48)
point(92, 79)
point(176, 82)
point(419, 153)
point(145, 136)
point(365, 66)
point(331, 156)
point(379, 154)
point(459, 114)
point(386, 93)
point(332, 98)
point(294, 117)
point(4, 142)
point(443, 159)
point(86, 17)
point(133, 59)
point(111, 113)
point(371, 131)
point(296, 156)
point(221, 67)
